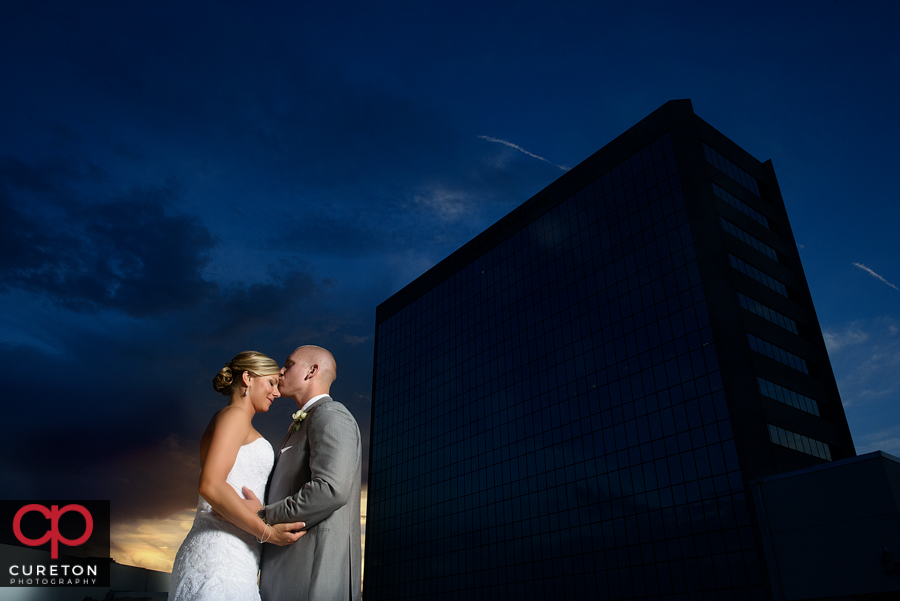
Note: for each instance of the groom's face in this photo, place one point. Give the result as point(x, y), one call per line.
point(292, 376)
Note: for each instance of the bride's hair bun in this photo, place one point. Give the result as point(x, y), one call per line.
point(223, 380)
point(230, 377)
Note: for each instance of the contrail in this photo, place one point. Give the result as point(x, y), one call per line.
point(520, 149)
point(875, 275)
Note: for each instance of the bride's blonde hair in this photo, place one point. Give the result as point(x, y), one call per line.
point(252, 362)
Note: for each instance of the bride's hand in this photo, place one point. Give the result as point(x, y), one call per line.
point(282, 534)
point(286, 534)
point(251, 500)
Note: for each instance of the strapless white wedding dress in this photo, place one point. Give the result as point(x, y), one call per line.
point(218, 560)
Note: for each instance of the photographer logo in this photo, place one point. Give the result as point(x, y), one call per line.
point(53, 534)
point(54, 543)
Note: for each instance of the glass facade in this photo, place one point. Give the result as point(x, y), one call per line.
point(550, 420)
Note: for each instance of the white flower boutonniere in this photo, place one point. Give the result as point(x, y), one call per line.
point(298, 418)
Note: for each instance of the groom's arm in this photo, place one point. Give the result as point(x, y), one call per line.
point(334, 462)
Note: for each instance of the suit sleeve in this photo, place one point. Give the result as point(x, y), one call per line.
point(334, 461)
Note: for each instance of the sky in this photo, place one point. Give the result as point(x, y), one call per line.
point(181, 181)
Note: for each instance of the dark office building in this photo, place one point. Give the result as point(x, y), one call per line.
point(573, 405)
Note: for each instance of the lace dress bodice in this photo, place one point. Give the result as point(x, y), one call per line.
point(218, 560)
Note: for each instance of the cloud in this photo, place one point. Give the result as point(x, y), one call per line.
point(887, 440)
point(450, 205)
point(875, 275)
point(145, 480)
point(123, 400)
point(522, 150)
point(868, 365)
point(337, 159)
point(849, 337)
point(150, 542)
point(127, 253)
point(241, 310)
point(133, 253)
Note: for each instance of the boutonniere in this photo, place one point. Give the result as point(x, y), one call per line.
point(298, 418)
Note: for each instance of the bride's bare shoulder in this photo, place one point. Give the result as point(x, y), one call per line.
point(228, 422)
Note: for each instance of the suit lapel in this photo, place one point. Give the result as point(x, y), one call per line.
point(291, 431)
point(288, 435)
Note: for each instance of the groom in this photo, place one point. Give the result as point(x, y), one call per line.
point(316, 480)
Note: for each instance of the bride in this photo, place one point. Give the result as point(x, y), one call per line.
point(219, 559)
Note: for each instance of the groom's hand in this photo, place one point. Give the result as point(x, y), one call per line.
point(286, 534)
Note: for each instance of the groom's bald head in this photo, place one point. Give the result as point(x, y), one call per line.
point(309, 371)
point(316, 355)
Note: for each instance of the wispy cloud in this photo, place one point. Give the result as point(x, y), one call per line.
point(875, 275)
point(353, 340)
point(887, 440)
point(522, 150)
point(449, 204)
point(849, 337)
point(867, 368)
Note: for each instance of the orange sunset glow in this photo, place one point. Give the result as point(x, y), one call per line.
point(153, 543)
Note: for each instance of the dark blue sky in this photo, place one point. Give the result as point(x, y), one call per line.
point(183, 181)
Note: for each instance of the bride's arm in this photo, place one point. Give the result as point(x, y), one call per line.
point(228, 431)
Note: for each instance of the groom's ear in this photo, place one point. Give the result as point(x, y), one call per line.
point(313, 370)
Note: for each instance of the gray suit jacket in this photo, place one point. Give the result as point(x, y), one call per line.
point(316, 479)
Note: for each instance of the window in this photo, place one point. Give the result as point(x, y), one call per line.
point(759, 276)
point(788, 397)
point(779, 354)
point(741, 206)
point(730, 169)
point(798, 442)
point(767, 313)
point(748, 239)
